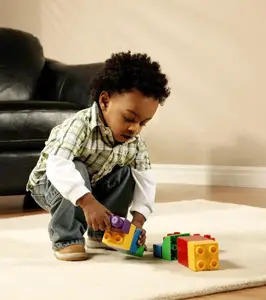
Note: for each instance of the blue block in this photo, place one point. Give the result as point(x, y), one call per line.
point(157, 251)
point(134, 245)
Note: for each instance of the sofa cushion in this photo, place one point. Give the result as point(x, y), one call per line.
point(27, 124)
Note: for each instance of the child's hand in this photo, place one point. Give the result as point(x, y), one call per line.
point(142, 238)
point(97, 216)
point(138, 221)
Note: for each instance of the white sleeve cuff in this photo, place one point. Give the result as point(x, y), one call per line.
point(145, 211)
point(77, 193)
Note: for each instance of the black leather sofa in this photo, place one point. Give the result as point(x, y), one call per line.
point(36, 94)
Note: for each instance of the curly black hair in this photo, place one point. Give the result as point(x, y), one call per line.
point(124, 72)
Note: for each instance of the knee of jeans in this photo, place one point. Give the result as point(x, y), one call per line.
point(52, 195)
point(40, 200)
point(82, 169)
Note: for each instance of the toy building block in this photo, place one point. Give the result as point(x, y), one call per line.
point(208, 236)
point(135, 249)
point(157, 250)
point(119, 240)
point(169, 246)
point(123, 236)
point(134, 245)
point(182, 247)
point(175, 233)
point(203, 255)
point(139, 252)
point(120, 224)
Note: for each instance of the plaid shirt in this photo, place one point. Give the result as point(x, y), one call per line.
point(84, 136)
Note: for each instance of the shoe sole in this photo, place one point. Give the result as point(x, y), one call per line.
point(97, 245)
point(71, 256)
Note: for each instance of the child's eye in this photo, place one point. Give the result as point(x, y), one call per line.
point(128, 120)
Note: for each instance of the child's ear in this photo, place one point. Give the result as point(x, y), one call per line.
point(104, 100)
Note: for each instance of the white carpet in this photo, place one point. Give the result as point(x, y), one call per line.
point(28, 269)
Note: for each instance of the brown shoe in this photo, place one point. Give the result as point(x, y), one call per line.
point(72, 253)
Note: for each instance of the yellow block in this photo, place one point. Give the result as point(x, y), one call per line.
point(119, 240)
point(203, 255)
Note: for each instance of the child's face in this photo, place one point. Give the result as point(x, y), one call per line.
point(127, 113)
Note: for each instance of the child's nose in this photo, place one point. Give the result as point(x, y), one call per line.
point(133, 129)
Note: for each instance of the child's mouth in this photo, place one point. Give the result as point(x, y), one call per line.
point(126, 137)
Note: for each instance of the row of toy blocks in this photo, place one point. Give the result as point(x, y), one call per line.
point(168, 248)
point(123, 236)
point(196, 252)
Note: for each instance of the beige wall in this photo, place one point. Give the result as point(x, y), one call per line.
point(212, 50)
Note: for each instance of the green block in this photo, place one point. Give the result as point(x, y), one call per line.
point(139, 253)
point(169, 247)
point(167, 252)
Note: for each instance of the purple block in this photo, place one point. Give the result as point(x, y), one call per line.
point(116, 222)
point(120, 224)
point(126, 226)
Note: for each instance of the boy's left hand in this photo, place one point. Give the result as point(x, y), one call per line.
point(142, 237)
point(138, 221)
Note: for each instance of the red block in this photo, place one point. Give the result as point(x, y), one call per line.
point(182, 247)
point(208, 236)
point(182, 251)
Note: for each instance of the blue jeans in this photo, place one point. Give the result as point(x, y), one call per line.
point(68, 225)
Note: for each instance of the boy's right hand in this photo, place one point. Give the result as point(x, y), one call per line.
point(97, 216)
